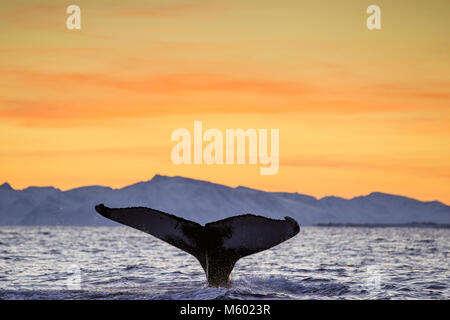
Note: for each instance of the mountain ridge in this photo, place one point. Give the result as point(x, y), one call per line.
point(204, 201)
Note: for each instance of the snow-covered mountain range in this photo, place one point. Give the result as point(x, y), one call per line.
point(203, 201)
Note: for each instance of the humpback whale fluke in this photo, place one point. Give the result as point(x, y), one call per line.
point(217, 245)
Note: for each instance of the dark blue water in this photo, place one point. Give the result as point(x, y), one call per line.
point(319, 263)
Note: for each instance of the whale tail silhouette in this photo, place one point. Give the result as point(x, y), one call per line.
point(217, 245)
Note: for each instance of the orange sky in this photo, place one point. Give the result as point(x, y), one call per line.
point(358, 110)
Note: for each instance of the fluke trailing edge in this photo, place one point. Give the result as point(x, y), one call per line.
point(217, 245)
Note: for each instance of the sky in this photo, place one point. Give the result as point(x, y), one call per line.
point(357, 110)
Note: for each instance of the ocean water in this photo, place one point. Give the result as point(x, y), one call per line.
point(319, 263)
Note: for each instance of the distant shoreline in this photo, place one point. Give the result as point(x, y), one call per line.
point(332, 225)
point(379, 225)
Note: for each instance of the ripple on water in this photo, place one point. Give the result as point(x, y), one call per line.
point(319, 263)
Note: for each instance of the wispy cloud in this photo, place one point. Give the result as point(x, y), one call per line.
point(169, 10)
point(151, 151)
point(92, 96)
point(386, 166)
point(170, 83)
